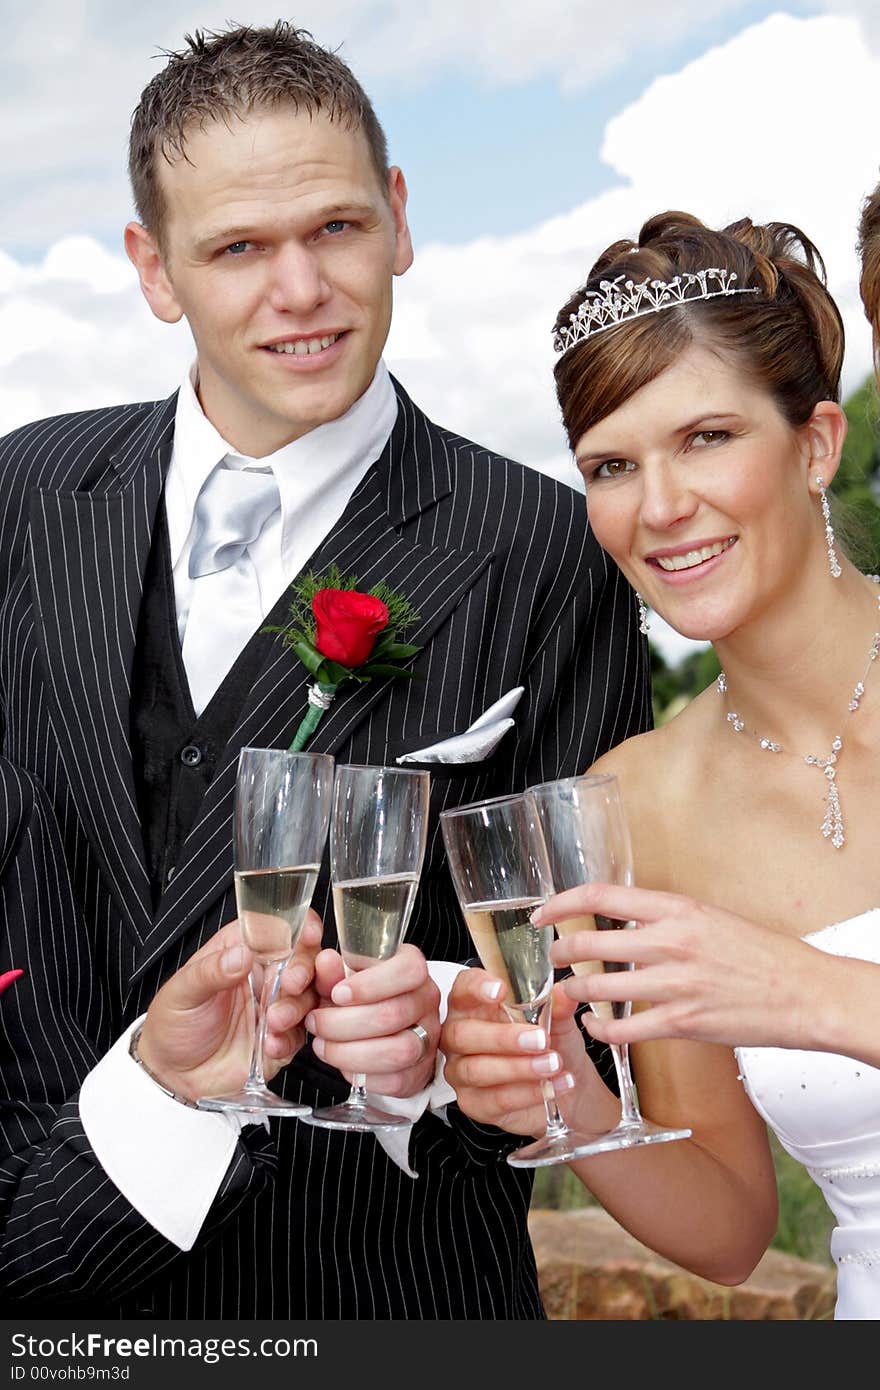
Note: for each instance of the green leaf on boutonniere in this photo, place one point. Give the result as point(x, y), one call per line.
point(341, 633)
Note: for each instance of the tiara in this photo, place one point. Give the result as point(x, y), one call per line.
point(618, 301)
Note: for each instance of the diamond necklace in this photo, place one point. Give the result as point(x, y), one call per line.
point(832, 825)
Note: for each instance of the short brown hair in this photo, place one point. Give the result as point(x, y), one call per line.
point(869, 279)
point(230, 73)
point(789, 338)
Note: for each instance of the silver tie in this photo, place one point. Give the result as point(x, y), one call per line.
point(231, 511)
point(226, 606)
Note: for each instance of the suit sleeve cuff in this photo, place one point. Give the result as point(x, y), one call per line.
point(434, 1097)
point(166, 1159)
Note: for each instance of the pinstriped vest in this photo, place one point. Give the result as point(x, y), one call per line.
point(174, 751)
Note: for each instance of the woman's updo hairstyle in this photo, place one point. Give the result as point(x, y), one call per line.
point(788, 338)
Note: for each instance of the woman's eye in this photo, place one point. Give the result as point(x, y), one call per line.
point(613, 468)
point(710, 437)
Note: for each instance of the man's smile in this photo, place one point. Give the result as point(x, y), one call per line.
point(302, 347)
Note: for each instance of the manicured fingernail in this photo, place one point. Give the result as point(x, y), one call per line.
point(533, 1040)
point(341, 994)
point(491, 989)
point(319, 1047)
point(233, 959)
point(547, 1064)
point(537, 917)
point(310, 1023)
point(565, 1082)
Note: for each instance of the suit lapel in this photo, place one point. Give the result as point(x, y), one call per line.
point(88, 555)
point(412, 475)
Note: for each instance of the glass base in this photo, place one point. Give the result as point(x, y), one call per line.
point(631, 1136)
point(562, 1148)
point(254, 1101)
point(552, 1148)
point(357, 1117)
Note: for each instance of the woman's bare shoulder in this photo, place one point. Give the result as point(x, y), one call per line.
point(647, 764)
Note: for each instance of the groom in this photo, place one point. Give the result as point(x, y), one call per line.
point(145, 549)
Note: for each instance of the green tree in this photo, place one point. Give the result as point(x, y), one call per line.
point(856, 489)
point(674, 686)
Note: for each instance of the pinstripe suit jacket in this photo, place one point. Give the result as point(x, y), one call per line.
point(512, 590)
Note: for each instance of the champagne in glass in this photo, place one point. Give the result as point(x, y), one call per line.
point(601, 1007)
point(371, 917)
point(588, 841)
point(499, 866)
point(280, 820)
point(272, 905)
point(378, 833)
point(515, 951)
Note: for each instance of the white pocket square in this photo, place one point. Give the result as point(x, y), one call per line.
point(477, 742)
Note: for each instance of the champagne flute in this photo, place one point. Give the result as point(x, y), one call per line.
point(280, 819)
point(378, 833)
point(587, 838)
point(501, 873)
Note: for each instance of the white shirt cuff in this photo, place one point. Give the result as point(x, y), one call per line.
point(434, 1097)
point(168, 1160)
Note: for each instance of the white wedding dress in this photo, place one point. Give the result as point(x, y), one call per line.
point(825, 1110)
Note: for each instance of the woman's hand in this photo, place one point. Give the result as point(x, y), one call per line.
point(497, 1067)
point(366, 1021)
point(701, 973)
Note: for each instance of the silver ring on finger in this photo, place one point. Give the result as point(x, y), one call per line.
point(424, 1038)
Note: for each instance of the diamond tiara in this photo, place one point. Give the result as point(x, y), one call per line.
point(617, 301)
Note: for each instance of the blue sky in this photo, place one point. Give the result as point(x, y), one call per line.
point(531, 137)
point(485, 157)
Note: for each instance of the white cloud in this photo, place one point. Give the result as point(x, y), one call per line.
point(72, 71)
point(736, 132)
point(76, 333)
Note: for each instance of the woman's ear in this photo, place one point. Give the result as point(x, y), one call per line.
point(824, 433)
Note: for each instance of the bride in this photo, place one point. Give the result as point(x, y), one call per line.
point(698, 378)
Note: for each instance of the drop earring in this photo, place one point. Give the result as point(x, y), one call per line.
point(644, 620)
point(833, 562)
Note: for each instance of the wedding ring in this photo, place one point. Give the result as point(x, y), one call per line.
point(423, 1036)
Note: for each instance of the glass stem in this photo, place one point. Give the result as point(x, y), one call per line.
point(265, 981)
point(629, 1108)
point(556, 1126)
point(357, 1096)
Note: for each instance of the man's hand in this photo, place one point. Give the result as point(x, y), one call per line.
point(198, 1033)
point(365, 1022)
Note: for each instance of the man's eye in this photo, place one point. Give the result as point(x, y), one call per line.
point(613, 468)
point(237, 248)
point(334, 227)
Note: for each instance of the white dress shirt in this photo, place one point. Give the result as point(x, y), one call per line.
point(166, 1159)
point(316, 476)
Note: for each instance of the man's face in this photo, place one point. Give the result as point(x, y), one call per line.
point(279, 248)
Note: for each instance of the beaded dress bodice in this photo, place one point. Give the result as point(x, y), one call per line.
point(825, 1110)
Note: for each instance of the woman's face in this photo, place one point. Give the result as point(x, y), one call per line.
point(698, 488)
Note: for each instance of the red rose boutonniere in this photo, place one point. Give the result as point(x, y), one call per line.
point(340, 633)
